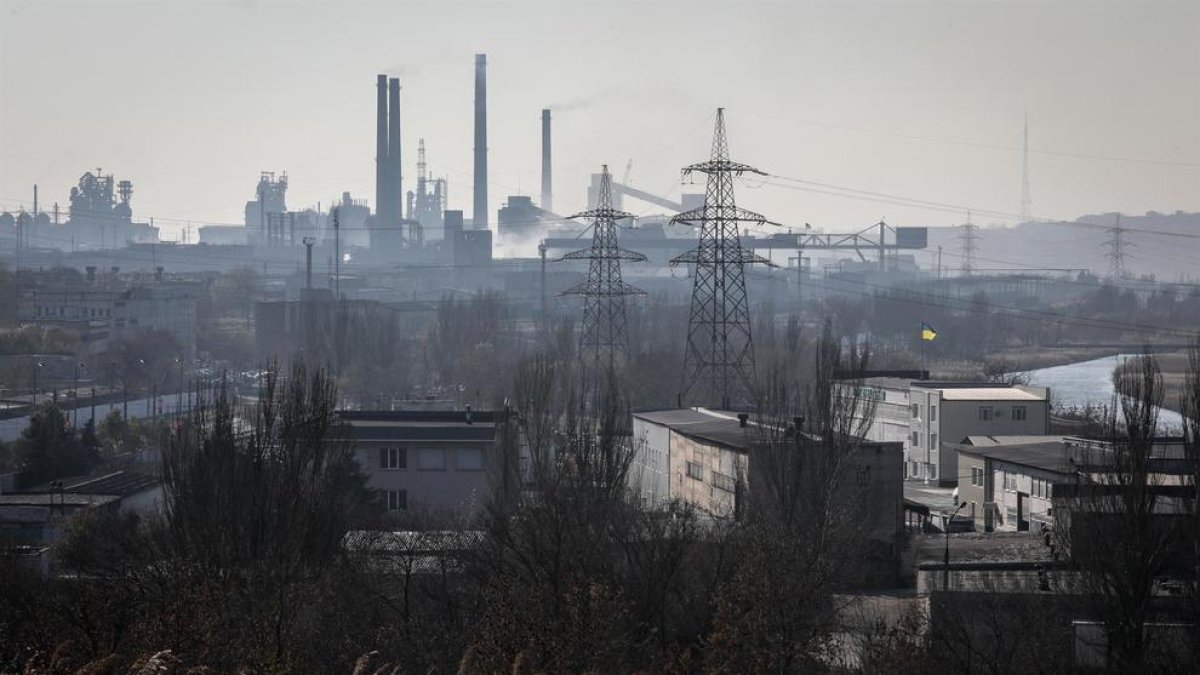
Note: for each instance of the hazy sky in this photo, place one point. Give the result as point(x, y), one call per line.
point(191, 100)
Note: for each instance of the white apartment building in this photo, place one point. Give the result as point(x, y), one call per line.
point(925, 415)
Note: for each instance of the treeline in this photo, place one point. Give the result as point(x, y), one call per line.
point(565, 570)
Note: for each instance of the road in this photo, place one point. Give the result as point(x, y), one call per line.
point(168, 404)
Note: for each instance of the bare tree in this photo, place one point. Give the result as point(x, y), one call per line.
point(1114, 523)
point(808, 517)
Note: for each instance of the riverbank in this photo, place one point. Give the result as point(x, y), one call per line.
point(1021, 361)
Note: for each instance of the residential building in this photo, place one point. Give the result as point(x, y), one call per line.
point(925, 414)
point(435, 460)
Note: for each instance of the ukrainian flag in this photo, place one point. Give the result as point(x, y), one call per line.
point(927, 332)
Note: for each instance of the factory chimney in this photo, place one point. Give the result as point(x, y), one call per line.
point(381, 148)
point(396, 202)
point(547, 192)
point(480, 215)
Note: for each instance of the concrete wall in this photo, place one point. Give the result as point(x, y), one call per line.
point(974, 495)
point(955, 420)
point(1035, 507)
point(648, 475)
point(713, 465)
point(455, 486)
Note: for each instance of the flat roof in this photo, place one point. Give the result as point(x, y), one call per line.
point(722, 428)
point(888, 382)
point(987, 394)
point(1047, 456)
point(420, 425)
point(981, 441)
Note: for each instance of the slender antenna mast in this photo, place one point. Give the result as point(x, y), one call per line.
point(1026, 199)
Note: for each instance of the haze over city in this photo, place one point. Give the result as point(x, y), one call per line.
point(917, 99)
point(599, 337)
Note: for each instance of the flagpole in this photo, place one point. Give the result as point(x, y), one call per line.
point(921, 339)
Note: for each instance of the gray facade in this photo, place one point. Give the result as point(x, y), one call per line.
point(448, 461)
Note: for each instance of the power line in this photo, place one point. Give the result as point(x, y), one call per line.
point(988, 146)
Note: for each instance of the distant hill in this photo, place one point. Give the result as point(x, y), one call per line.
point(1081, 244)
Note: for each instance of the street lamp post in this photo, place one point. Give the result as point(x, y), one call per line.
point(75, 396)
point(37, 365)
point(946, 555)
point(179, 396)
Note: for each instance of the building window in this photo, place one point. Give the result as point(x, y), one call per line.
point(985, 413)
point(723, 482)
point(695, 470)
point(916, 410)
point(933, 470)
point(1010, 482)
point(393, 458)
point(1018, 413)
point(469, 459)
point(431, 459)
point(862, 474)
point(916, 439)
point(397, 500)
point(932, 413)
point(933, 441)
point(976, 478)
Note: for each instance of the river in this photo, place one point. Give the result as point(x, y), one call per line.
point(1090, 383)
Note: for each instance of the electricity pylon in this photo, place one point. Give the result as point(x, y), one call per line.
point(603, 342)
point(718, 366)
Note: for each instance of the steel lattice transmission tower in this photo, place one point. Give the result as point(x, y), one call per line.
point(603, 342)
point(970, 244)
point(718, 366)
point(1116, 254)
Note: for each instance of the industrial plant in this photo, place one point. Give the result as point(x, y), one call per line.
point(452, 427)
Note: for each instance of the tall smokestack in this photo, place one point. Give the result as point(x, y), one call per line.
point(381, 148)
point(396, 202)
point(480, 215)
point(547, 192)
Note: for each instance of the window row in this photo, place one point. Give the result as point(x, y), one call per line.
point(90, 312)
point(430, 459)
point(397, 500)
point(721, 481)
point(916, 412)
point(916, 440)
point(1041, 488)
point(1017, 413)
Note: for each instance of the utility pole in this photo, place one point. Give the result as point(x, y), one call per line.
point(542, 255)
point(719, 358)
point(337, 256)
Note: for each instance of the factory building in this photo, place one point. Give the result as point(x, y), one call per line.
point(100, 217)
